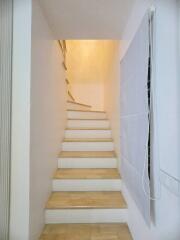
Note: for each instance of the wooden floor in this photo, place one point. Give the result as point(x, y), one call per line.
point(111, 231)
point(88, 173)
point(80, 200)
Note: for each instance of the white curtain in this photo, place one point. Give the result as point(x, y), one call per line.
point(134, 119)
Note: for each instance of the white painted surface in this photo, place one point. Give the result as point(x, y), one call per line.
point(165, 210)
point(75, 106)
point(167, 117)
point(83, 92)
point(165, 214)
point(136, 223)
point(87, 185)
point(172, 184)
point(87, 162)
point(48, 96)
point(94, 61)
point(167, 92)
point(135, 220)
point(88, 134)
point(87, 146)
point(86, 216)
point(20, 154)
point(135, 18)
point(112, 99)
point(88, 123)
point(87, 19)
point(86, 115)
point(134, 118)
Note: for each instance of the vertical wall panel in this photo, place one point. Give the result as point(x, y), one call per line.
point(5, 113)
point(134, 119)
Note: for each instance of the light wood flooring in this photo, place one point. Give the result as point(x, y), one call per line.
point(87, 154)
point(87, 173)
point(109, 231)
point(80, 200)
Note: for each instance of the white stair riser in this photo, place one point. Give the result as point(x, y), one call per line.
point(85, 216)
point(75, 106)
point(87, 163)
point(88, 123)
point(88, 134)
point(87, 146)
point(85, 115)
point(87, 185)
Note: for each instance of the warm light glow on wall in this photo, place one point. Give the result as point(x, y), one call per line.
point(89, 60)
point(90, 63)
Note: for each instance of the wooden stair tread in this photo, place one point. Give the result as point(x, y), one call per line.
point(88, 119)
point(89, 111)
point(77, 103)
point(94, 231)
point(88, 140)
point(86, 200)
point(87, 154)
point(87, 173)
point(87, 128)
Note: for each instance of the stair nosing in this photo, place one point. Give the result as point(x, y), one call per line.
point(88, 119)
point(84, 208)
point(104, 129)
point(81, 104)
point(83, 152)
point(117, 177)
point(56, 178)
point(93, 111)
point(85, 140)
point(123, 203)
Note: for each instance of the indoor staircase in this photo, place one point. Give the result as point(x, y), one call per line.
point(86, 202)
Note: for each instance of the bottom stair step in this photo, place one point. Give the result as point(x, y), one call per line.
point(86, 207)
point(107, 231)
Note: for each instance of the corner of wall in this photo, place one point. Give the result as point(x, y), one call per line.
point(47, 115)
point(136, 223)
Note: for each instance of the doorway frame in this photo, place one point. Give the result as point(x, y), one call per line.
point(6, 41)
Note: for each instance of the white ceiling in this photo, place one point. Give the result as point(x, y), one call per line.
point(87, 19)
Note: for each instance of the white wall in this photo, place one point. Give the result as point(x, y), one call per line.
point(48, 101)
point(139, 9)
point(89, 93)
point(20, 155)
point(178, 3)
point(89, 64)
point(136, 223)
point(167, 118)
point(165, 210)
point(168, 84)
point(112, 96)
point(38, 118)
